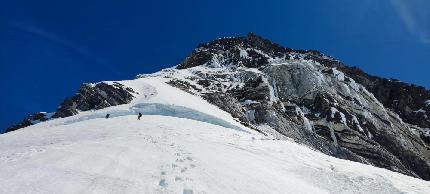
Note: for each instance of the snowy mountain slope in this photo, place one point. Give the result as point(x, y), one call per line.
point(183, 145)
point(312, 98)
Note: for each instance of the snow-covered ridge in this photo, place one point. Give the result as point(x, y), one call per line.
point(154, 97)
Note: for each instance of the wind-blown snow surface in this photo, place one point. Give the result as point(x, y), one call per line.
point(182, 145)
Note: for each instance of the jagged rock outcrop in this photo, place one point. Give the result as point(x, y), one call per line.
point(94, 97)
point(315, 100)
point(89, 97)
point(409, 101)
point(30, 120)
point(230, 51)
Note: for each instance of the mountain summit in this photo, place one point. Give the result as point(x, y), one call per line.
point(314, 99)
point(262, 91)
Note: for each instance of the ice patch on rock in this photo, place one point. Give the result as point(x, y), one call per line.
point(338, 74)
point(243, 53)
point(249, 102)
point(426, 132)
point(251, 115)
point(332, 134)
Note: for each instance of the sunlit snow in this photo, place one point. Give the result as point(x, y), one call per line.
point(182, 145)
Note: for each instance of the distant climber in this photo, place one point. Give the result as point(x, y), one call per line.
point(107, 116)
point(139, 116)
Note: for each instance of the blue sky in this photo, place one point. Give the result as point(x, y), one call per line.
point(48, 48)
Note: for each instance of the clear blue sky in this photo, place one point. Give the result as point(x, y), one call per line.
point(48, 48)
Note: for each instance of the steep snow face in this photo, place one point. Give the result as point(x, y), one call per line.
point(174, 150)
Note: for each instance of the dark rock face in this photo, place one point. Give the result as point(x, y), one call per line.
point(95, 97)
point(379, 141)
point(88, 97)
point(315, 100)
point(30, 120)
point(254, 89)
point(409, 101)
point(232, 47)
point(288, 123)
point(185, 86)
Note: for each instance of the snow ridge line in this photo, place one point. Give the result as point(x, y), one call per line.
point(156, 109)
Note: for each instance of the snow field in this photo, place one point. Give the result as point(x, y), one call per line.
point(185, 145)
